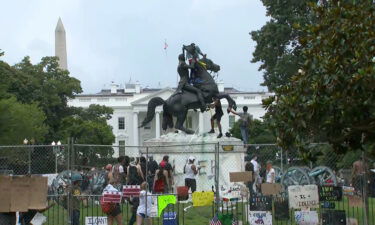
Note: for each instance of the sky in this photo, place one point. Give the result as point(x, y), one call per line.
point(118, 41)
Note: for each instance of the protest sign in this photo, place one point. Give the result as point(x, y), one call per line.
point(20, 193)
point(164, 201)
point(5, 197)
point(39, 190)
point(203, 198)
point(306, 217)
point(281, 208)
point(346, 190)
point(271, 189)
point(263, 203)
point(38, 219)
point(240, 176)
point(355, 201)
point(330, 193)
point(260, 217)
point(334, 217)
point(96, 220)
point(327, 205)
point(154, 207)
point(112, 196)
point(131, 190)
point(303, 196)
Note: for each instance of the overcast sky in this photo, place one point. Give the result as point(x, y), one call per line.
point(118, 40)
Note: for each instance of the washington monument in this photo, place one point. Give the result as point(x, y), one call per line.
point(60, 45)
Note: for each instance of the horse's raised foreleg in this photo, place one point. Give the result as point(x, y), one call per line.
point(231, 103)
point(180, 122)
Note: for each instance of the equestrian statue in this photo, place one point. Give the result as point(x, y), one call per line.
point(193, 92)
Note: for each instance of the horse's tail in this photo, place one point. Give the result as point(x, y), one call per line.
point(152, 104)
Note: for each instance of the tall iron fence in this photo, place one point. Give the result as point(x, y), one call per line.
point(319, 166)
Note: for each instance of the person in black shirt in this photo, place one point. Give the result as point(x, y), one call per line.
point(152, 166)
point(217, 116)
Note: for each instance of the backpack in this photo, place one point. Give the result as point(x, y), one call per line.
point(107, 207)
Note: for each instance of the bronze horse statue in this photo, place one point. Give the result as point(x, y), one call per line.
point(178, 104)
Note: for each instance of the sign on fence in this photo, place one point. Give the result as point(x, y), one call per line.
point(260, 217)
point(154, 207)
point(281, 208)
point(15, 193)
point(271, 189)
point(164, 201)
point(334, 217)
point(131, 190)
point(97, 220)
point(203, 198)
point(355, 201)
point(303, 196)
point(112, 196)
point(306, 217)
point(263, 203)
point(240, 176)
point(330, 193)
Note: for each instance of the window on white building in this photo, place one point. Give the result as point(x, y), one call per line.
point(249, 97)
point(121, 123)
point(121, 148)
point(85, 99)
point(232, 120)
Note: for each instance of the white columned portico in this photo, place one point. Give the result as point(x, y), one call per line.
point(201, 123)
point(157, 124)
point(135, 128)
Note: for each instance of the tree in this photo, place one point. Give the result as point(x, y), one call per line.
point(332, 96)
point(278, 48)
point(258, 131)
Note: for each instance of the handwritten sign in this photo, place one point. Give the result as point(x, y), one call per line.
point(164, 201)
point(97, 220)
point(306, 217)
point(346, 190)
point(263, 203)
point(303, 196)
point(334, 217)
point(203, 198)
point(240, 176)
point(260, 217)
point(154, 206)
point(131, 190)
point(330, 193)
point(112, 196)
point(281, 208)
point(271, 189)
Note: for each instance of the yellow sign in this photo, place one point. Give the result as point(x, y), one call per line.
point(203, 198)
point(164, 201)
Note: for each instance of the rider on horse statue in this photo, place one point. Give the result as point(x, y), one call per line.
point(192, 54)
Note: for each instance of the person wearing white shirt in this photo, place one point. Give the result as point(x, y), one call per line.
point(145, 205)
point(256, 176)
point(271, 174)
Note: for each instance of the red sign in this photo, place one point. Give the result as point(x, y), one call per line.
point(112, 197)
point(131, 190)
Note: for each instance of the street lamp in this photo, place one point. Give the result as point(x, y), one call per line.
point(25, 142)
point(56, 150)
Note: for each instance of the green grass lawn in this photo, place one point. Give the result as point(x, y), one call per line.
point(57, 215)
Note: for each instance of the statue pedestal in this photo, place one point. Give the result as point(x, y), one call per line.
point(179, 146)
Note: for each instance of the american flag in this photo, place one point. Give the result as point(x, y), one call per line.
point(215, 221)
point(165, 45)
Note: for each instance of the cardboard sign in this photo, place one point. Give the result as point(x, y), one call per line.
point(38, 190)
point(5, 197)
point(112, 196)
point(240, 176)
point(96, 220)
point(355, 201)
point(263, 203)
point(281, 208)
point(131, 190)
point(154, 207)
point(306, 217)
point(334, 217)
point(330, 193)
point(346, 190)
point(301, 197)
point(203, 198)
point(271, 189)
point(20, 193)
point(164, 201)
point(260, 217)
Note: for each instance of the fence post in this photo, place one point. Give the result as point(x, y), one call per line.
point(364, 190)
point(217, 174)
point(29, 156)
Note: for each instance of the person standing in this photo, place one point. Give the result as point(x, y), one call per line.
point(161, 181)
point(270, 173)
point(152, 166)
point(168, 167)
point(358, 175)
point(217, 116)
point(249, 167)
point(75, 193)
point(145, 204)
point(118, 172)
point(115, 214)
point(134, 172)
point(190, 171)
point(245, 120)
point(256, 174)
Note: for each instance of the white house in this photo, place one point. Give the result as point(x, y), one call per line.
point(130, 106)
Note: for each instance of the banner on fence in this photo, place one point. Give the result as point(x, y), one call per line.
point(306, 217)
point(5, 197)
point(203, 198)
point(346, 190)
point(154, 207)
point(260, 217)
point(271, 189)
point(330, 193)
point(240, 176)
point(164, 201)
point(303, 196)
point(131, 190)
point(96, 220)
point(334, 217)
point(263, 203)
point(39, 189)
point(112, 196)
point(281, 208)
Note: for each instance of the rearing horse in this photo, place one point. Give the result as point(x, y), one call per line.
point(178, 104)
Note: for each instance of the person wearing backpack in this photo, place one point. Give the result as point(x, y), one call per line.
point(161, 183)
point(245, 120)
point(113, 210)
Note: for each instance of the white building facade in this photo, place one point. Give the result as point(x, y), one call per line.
point(130, 107)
